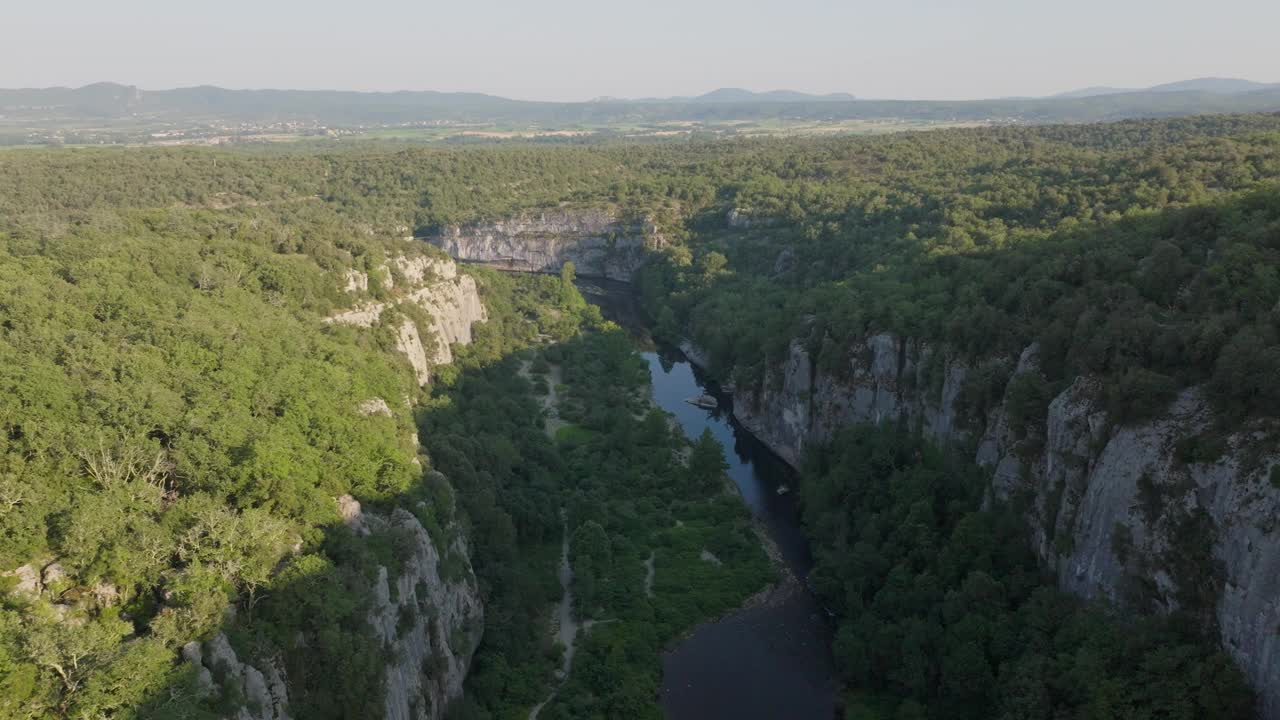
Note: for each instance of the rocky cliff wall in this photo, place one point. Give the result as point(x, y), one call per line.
point(597, 242)
point(1116, 511)
point(429, 617)
point(449, 299)
point(220, 671)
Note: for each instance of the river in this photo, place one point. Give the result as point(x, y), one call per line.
point(771, 660)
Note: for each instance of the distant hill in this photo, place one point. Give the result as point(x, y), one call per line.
point(1224, 86)
point(1217, 86)
point(111, 101)
point(739, 95)
point(1095, 91)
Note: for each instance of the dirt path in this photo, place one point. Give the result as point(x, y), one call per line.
point(565, 623)
point(648, 575)
point(550, 401)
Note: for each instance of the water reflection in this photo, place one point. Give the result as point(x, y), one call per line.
point(769, 661)
point(756, 471)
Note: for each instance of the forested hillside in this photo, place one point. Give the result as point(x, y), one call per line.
point(177, 421)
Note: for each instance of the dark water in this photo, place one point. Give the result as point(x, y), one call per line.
point(769, 661)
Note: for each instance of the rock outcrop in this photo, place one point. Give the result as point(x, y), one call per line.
point(450, 300)
point(264, 693)
point(597, 242)
point(429, 618)
point(1118, 512)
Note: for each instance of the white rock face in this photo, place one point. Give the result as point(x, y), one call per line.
point(738, 219)
point(28, 580)
point(801, 406)
point(695, 354)
point(352, 515)
point(451, 300)
point(35, 579)
point(191, 654)
point(432, 627)
point(421, 270)
point(357, 281)
point(1082, 474)
point(364, 316)
point(595, 241)
point(409, 343)
point(454, 306)
point(266, 694)
point(374, 406)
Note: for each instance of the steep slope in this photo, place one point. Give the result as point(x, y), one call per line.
point(431, 618)
point(186, 439)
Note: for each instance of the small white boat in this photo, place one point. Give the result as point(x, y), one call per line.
point(706, 402)
point(783, 490)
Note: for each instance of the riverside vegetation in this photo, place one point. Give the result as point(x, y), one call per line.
point(177, 418)
point(616, 469)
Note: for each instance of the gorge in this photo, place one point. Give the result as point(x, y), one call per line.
point(983, 427)
point(1081, 476)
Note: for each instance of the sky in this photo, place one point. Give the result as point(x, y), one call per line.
point(580, 49)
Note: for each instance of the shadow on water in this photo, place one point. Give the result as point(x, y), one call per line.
point(771, 659)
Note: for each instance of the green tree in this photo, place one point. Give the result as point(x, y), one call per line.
point(706, 464)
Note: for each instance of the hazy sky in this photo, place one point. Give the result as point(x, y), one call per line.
point(579, 49)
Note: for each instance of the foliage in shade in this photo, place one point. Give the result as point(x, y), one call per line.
point(944, 613)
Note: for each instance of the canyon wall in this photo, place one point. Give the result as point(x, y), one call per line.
point(265, 694)
point(597, 242)
point(1121, 513)
point(428, 617)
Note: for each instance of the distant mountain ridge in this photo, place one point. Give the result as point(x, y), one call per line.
point(738, 95)
point(1214, 85)
point(115, 105)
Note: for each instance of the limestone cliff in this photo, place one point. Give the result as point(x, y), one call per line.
point(219, 671)
point(597, 242)
point(429, 617)
point(432, 285)
point(1118, 512)
point(799, 406)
